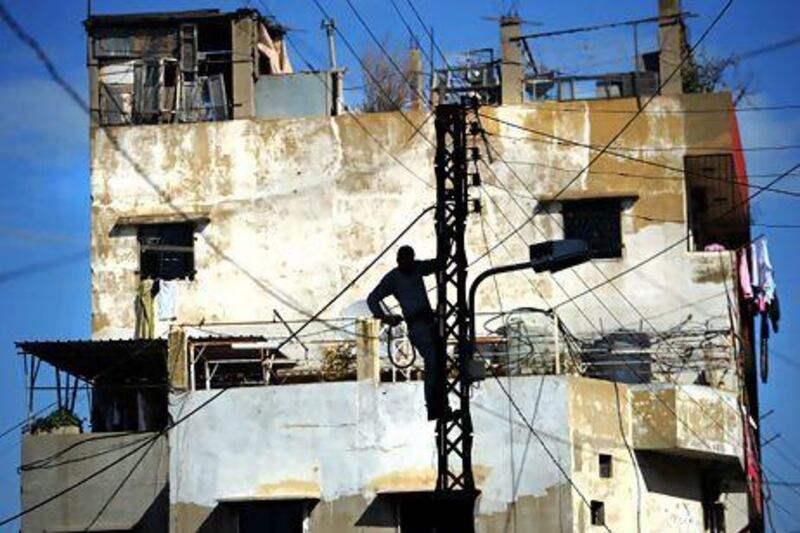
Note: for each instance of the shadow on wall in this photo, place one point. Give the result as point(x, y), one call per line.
point(156, 518)
point(693, 479)
point(381, 512)
point(275, 516)
point(421, 511)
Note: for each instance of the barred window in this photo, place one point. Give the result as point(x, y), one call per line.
point(596, 221)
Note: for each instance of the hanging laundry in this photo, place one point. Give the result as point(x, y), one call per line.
point(764, 337)
point(763, 275)
point(744, 276)
point(774, 313)
point(766, 299)
point(167, 298)
point(145, 317)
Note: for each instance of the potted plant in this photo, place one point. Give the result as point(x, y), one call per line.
point(62, 421)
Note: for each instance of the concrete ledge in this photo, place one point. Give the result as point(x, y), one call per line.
point(690, 420)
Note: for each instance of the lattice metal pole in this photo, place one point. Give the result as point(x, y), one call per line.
point(453, 432)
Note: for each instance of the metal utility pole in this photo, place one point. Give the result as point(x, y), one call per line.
point(456, 170)
point(330, 29)
point(454, 430)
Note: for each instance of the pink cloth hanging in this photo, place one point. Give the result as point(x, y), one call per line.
point(744, 276)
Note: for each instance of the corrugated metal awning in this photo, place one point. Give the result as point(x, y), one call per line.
point(136, 359)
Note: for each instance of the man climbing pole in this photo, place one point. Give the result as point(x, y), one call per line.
point(405, 283)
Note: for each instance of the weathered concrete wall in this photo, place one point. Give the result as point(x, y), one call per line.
point(600, 419)
point(691, 419)
point(297, 207)
point(349, 444)
point(652, 491)
point(345, 443)
point(123, 497)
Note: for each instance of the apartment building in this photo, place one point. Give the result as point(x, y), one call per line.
point(233, 195)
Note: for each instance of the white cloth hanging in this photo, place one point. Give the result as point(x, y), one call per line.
point(166, 301)
point(763, 274)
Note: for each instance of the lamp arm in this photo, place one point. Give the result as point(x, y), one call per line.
point(473, 289)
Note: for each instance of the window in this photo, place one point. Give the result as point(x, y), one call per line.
point(605, 468)
point(716, 204)
point(166, 251)
point(596, 221)
point(125, 407)
point(146, 85)
point(598, 513)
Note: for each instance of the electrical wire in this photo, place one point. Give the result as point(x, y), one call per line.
point(729, 2)
point(719, 16)
point(641, 315)
point(368, 72)
point(52, 71)
point(539, 439)
point(716, 20)
point(16, 273)
point(561, 141)
point(706, 111)
point(120, 486)
point(382, 48)
point(634, 461)
point(662, 84)
point(627, 157)
point(670, 247)
point(215, 396)
point(411, 33)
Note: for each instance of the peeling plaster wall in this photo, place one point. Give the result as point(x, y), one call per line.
point(691, 418)
point(348, 443)
point(344, 443)
point(651, 491)
point(298, 206)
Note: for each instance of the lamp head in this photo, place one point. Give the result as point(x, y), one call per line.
point(552, 256)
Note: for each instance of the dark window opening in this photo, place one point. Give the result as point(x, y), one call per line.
point(146, 92)
point(167, 251)
point(425, 512)
point(605, 465)
point(596, 221)
point(128, 407)
point(598, 513)
point(716, 210)
point(273, 516)
point(714, 516)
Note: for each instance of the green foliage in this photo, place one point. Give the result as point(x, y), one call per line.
point(338, 361)
point(705, 74)
point(59, 418)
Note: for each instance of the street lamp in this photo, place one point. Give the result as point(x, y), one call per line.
point(548, 256)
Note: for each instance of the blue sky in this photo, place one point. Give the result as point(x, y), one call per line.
point(44, 207)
